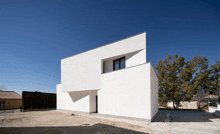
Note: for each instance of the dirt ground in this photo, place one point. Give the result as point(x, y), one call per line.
point(59, 122)
point(46, 122)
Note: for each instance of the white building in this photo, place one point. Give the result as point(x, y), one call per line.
point(113, 79)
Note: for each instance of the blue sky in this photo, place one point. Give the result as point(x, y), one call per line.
point(36, 35)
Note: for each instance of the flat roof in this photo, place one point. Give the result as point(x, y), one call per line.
point(104, 45)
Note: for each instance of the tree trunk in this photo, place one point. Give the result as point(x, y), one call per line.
point(174, 105)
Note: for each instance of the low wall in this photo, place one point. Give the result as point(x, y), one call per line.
point(215, 110)
point(185, 105)
point(218, 107)
point(212, 109)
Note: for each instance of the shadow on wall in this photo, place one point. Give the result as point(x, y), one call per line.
point(84, 129)
point(132, 54)
point(75, 96)
point(184, 116)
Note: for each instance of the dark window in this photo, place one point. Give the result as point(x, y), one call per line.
point(119, 63)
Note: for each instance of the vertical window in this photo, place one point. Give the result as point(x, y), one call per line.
point(116, 65)
point(119, 63)
point(122, 63)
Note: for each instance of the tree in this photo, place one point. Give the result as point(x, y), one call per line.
point(215, 77)
point(179, 80)
point(195, 76)
point(168, 77)
point(2, 87)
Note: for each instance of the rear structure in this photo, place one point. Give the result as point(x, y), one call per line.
point(113, 79)
point(10, 100)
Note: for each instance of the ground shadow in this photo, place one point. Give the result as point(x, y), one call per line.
point(184, 116)
point(84, 129)
point(9, 111)
point(24, 110)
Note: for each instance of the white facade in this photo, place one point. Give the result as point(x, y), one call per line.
point(88, 80)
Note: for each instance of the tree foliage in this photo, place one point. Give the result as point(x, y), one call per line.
point(169, 78)
point(179, 79)
point(215, 76)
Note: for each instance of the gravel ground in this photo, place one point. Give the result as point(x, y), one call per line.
point(186, 122)
point(62, 122)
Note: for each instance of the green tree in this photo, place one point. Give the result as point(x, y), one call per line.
point(179, 80)
point(215, 77)
point(194, 76)
point(169, 81)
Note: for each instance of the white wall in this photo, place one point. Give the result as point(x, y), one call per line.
point(108, 66)
point(212, 109)
point(83, 71)
point(130, 92)
point(185, 105)
point(134, 59)
point(154, 91)
point(131, 59)
point(189, 105)
point(92, 101)
point(126, 92)
point(77, 101)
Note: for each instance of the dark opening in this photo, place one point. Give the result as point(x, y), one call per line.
point(119, 64)
point(2, 105)
point(96, 103)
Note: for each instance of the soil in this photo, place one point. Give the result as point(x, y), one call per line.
point(61, 122)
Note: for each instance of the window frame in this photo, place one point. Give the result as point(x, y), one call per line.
point(119, 59)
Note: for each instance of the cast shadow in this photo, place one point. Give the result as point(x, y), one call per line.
point(75, 96)
point(184, 116)
point(83, 129)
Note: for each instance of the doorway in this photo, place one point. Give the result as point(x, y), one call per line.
point(96, 103)
point(2, 105)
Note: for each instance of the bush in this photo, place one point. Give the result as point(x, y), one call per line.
point(163, 104)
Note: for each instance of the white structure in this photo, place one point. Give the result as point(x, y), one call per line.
point(113, 79)
point(215, 110)
point(185, 105)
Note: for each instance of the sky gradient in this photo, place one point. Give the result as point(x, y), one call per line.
point(36, 35)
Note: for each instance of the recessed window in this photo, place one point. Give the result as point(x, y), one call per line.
point(119, 63)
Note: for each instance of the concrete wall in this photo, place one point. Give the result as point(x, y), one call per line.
point(83, 101)
point(126, 92)
point(154, 91)
point(212, 109)
point(189, 105)
point(83, 71)
point(185, 105)
point(218, 106)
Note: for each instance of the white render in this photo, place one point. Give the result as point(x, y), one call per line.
point(131, 91)
point(185, 105)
